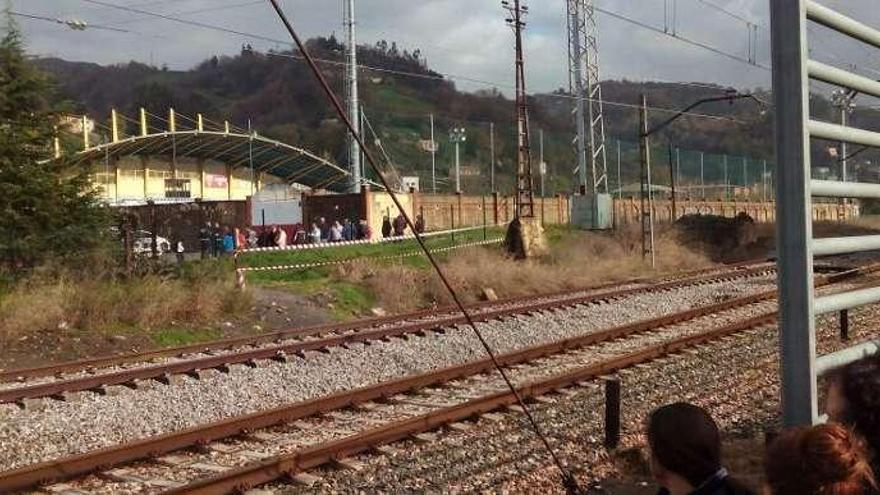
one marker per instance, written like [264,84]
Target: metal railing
[792,71]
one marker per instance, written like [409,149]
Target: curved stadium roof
[289,163]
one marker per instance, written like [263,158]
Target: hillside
[278,94]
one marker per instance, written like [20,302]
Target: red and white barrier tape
[361,242]
[319,264]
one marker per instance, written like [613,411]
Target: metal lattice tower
[351,95]
[583,66]
[525,199]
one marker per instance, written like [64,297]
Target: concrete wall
[627,211]
[442,212]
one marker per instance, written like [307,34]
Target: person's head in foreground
[819,460]
[685,449]
[854,400]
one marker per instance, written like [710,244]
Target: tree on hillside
[47,210]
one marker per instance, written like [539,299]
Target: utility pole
[354,153]
[745,175]
[525,204]
[433,158]
[492,155]
[584,84]
[647,198]
[843,100]
[457,135]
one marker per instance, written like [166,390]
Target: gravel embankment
[54,429]
[735,379]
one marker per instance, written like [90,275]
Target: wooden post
[495,207]
[844,325]
[612,413]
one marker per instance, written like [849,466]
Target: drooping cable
[568,479]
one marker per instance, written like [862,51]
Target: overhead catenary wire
[684,39]
[214,8]
[567,477]
[74,24]
[188,22]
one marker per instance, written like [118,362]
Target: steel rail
[162,371]
[81,464]
[258,473]
[695,276]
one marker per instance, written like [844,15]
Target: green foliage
[175,337]
[46,209]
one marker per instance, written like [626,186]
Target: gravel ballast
[52,429]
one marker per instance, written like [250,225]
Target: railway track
[58,380]
[461,391]
[397,406]
[544,368]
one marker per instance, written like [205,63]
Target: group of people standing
[841,457]
[214,241]
[323,231]
[399,225]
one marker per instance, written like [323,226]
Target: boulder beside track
[719,237]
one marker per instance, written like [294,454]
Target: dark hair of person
[860,384]
[820,460]
[685,440]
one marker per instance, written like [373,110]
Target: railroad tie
[305,479]
[424,437]
[350,464]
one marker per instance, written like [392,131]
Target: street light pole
[457,135]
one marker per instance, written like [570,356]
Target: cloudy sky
[465,38]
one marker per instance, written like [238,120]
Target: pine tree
[47,210]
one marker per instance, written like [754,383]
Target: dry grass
[579,260]
[95,304]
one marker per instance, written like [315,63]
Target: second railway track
[402,406]
[58,380]
[563,361]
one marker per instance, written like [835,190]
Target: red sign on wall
[216,181]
